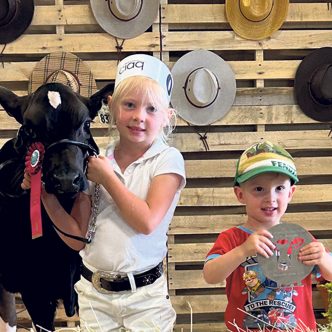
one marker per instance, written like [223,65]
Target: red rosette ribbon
[33,166]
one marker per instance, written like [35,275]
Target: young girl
[122,286]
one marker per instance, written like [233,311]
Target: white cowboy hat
[204,87]
[125,18]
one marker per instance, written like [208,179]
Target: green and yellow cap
[264,157]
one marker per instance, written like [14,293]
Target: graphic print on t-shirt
[267,305]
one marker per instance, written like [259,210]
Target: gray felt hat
[125,18]
[204,87]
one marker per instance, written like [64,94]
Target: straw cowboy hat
[312,85]
[15,17]
[204,87]
[66,68]
[256,19]
[125,19]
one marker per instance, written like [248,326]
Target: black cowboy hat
[312,85]
[15,17]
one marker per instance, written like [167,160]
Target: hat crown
[256,10]
[65,77]
[321,85]
[201,87]
[125,10]
[7,11]
[264,157]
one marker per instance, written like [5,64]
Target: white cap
[145,65]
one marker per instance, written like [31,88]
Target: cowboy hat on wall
[65,68]
[312,85]
[125,18]
[204,87]
[15,18]
[256,19]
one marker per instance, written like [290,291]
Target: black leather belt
[105,282]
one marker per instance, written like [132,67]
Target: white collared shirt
[116,246]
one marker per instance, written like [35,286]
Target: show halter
[33,166]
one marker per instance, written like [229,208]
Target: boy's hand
[259,243]
[26,183]
[312,253]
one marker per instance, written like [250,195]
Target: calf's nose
[69,182]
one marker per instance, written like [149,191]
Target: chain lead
[95,204]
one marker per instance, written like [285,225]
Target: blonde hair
[150,91]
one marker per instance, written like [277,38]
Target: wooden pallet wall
[264,108]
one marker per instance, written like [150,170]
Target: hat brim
[66,61]
[125,29]
[304,72]
[226,95]
[20,22]
[266,169]
[256,30]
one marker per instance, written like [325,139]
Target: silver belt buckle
[96,282]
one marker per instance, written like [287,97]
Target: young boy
[265,183]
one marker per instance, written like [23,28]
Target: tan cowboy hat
[256,19]
[204,87]
[125,18]
[66,68]
[312,85]
[15,17]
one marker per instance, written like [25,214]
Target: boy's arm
[218,269]
[315,253]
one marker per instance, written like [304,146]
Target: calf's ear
[96,100]
[13,104]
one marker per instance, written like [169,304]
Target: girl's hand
[312,253]
[26,183]
[99,168]
[259,243]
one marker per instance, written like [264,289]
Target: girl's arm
[142,215]
[76,223]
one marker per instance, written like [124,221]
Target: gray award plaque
[284,267]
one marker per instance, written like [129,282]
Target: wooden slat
[307,140]
[226,167]
[106,69]
[173,41]
[265,103]
[80,43]
[238,141]
[227,40]
[215,13]
[238,115]
[214,224]
[225,196]
[179,13]
[196,252]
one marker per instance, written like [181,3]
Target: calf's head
[60,119]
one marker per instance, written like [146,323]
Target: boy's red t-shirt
[254,301]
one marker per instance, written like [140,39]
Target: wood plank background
[264,108]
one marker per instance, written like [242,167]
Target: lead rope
[95,205]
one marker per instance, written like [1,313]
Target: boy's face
[266,197]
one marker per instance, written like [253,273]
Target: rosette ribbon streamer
[33,166]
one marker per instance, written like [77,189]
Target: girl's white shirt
[116,246]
